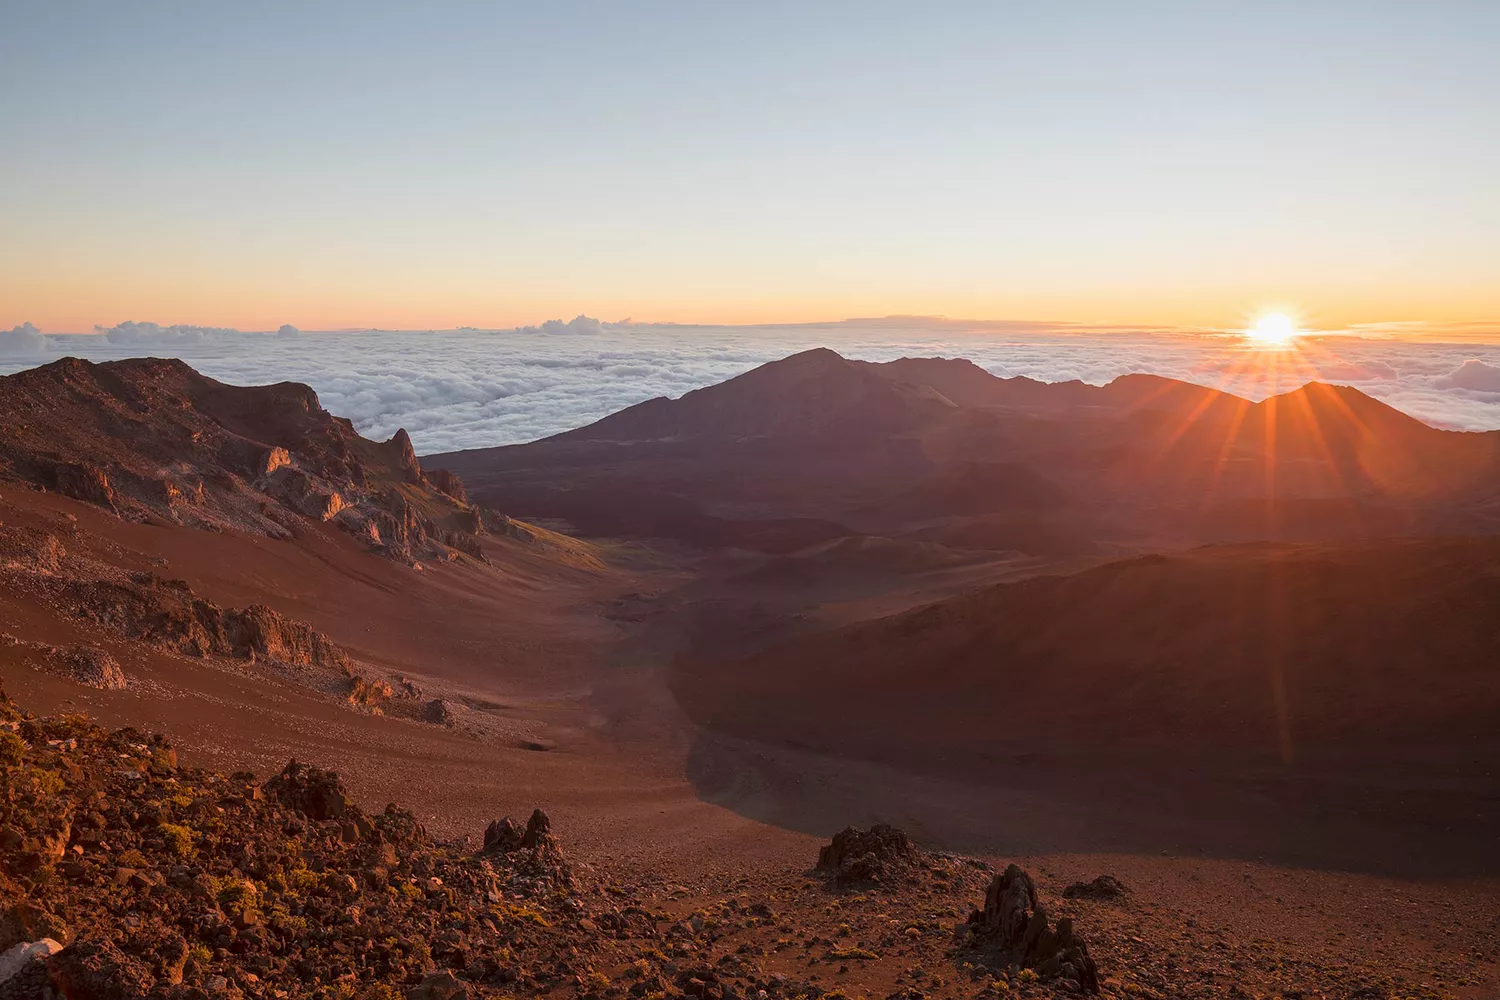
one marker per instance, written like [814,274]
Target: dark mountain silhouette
[900,447]
[815,394]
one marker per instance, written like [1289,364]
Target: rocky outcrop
[88,665]
[533,849]
[150,439]
[311,791]
[275,458]
[93,667]
[1015,922]
[167,614]
[30,550]
[307,496]
[405,456]
[270,634]
[466,543]
[505,834]
[1102,887]
[879,854]
[448,484]
[84,482]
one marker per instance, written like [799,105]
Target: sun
[1273,329]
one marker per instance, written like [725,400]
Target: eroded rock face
[449,484]
[268,633]
[150,438]
[274,458]
[406,456]
[84,482]
[307,496]
[1014,921]
[466,543]
[878,854]
[167,613]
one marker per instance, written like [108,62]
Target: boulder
[94,667]
[15,960]
[312,791]
[1102,887]
[879,854]
[502,835]
[439,986]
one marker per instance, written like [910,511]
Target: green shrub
[12,748]
[179,839]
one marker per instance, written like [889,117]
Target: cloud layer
[474,389]
[22,341]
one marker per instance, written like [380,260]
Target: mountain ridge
[850,443]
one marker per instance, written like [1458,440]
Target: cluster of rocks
[146,607]
[881,854]
[169,615]
[1013,925]
[1015,922]
[123,875]
[151,439]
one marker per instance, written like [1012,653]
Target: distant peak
[823,355]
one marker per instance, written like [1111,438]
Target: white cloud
[131,334]
[578,324]
[472,389]
[22,340]
[1472,374]
[288,330]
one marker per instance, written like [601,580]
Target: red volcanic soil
[1286,752]
[1298,695]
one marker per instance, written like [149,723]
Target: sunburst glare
[1273,330]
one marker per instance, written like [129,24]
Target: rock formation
[167,614]
[150,438]
[1102,887]
[1015,922]
[879,854]
[88,665]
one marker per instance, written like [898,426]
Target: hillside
[1269,650]
[925,445]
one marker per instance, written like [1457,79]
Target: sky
[413,166]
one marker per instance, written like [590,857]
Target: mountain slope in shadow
[924,445]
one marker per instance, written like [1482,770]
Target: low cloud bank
[131,334]
[578,324]
[474,389]
[1472,374]
[22,341]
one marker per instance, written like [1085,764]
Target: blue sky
[337,165]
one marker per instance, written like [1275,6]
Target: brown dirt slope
[1269,649]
